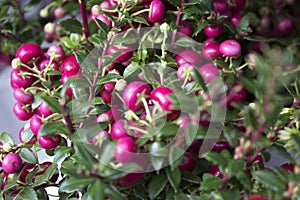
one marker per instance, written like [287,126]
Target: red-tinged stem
[290,192]
[66,116]
[84,21]
[177,23]
[21,13]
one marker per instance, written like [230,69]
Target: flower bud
[16,63]
[157,10]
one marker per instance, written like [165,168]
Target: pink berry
[220,146]
[104,19]
[125,147]
[157,11]
[230,48]
[211,50]
[49,142]
[58,51]
[70,64]
[21,112]
[35,124]
[237,94]
[125,50]
[189,163]
[214,31]
[11,163]
[104,5]
[21,135]
[239,5]
[118,130]
[131,95]
[160,95]
[46,64]
[184,70]
[59,12]
[288,167]
[18,80]
[235,19]
[215,171]
[44,109]
[185,29]
[188,56]
[220,6]
[209,72]
[130,179]
[95,10]
[22,96]
[28,51]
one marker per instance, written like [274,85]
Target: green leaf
[211,183]
[243,24]
[175,3]
[113,193]
[244,179]
[235,166]
[175,153]
[27,134]
[52,103]
[233,194]
[72,25]
[103,26]
[41,179]
[73,184]
[216,158]
[190,177]
[61,153]
[85,156]
[186,42]
[95,191]
[139,19]
[28,156]
[28,193]
[156,185]
[108,78]
[174,177]
[53,127]
[199,79]
[130,69]
[85,61]
[67,84]
[6,138]
[201,24]
[269,180]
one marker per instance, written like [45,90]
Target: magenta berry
[230,48]
[157,11]
[18,80]
[44,109]
[118,130]
[47,142]
[288,167]
[185,29]
[104,5]
[238,5]
[28,51]
[189,163]
[46,64]
[285,26]
[215,171]
[220,146]
[214,30]
[21,137]
[160,95]
[131,95]
[220,6]
[130,179]
[22,96]
[22,112]
[57,51]
[35,124]
[211,50]
[188,56]
[125,50]
[237,94]
[95,10]
[235,19]
[70,64]
[11,163]
[209,72]
[257,197]
[125,147]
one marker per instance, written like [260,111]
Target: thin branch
[177,23]
[84,21]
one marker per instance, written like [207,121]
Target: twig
[21,13]
[84,21]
